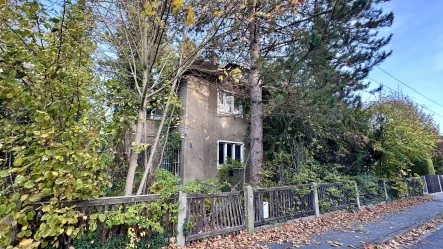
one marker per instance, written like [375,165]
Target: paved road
[432,241]
[389,226]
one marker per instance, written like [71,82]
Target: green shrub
[370,189]
[92,241]
[228,175]
[424,167]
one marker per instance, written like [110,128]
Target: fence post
[357,195]
[386,191]
[249,208]
[315,199]
[439,183]
[182,211]
[425,186]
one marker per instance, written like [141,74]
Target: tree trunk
[133,158]
[256,135]
[149,168]
[146,59]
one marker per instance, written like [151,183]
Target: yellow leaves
[9,95]
[18,162]
[159,22]
[177,5]
[69,230]
[218,13]
[24,197]
[150,8]
[44,135]
[26,243]
[190,17]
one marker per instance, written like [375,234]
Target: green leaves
[101,217]
[50,131]
[4,173]
[407,136]
[20,179]
[60,180]
[29,184]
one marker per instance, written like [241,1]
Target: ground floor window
[227,149]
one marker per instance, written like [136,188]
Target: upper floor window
[228,104]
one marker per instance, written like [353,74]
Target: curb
[404,230]
[438,228]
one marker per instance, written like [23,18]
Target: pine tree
[314,89]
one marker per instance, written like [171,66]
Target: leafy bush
[48,125]
[227,175]
[370,188]
[92,241]
[424,167]
[415,186]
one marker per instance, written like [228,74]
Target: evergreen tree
[314,90]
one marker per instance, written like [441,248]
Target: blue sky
[417,58]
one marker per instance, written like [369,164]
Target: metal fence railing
[283,203]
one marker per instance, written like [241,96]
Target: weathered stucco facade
[203,126]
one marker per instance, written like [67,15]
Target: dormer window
[228,104]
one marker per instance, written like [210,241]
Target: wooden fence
[214,214]
[208,215]
[283,203]
[109,204]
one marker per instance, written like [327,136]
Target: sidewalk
[431,241]
[388,227]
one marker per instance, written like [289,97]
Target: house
[213,127]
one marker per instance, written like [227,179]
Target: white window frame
[228,95]
[225,151]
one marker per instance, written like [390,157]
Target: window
[227,104]
[227,150]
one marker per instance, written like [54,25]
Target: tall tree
[314,89]
[307,36]
[405,134]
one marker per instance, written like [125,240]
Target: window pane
[221,156]
[238,108]
[229,150]
[229,103]
[238,152]
[220,97]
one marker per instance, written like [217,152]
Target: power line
[424,107]
[409,87]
